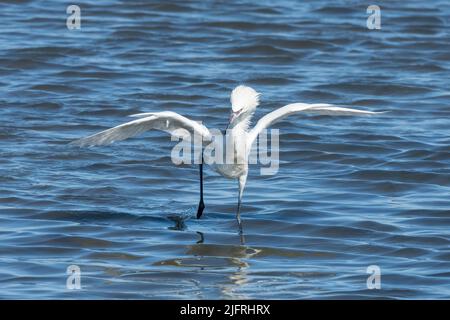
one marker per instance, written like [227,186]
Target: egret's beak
[234,115]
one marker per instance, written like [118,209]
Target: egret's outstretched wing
[167,121]
[319,108]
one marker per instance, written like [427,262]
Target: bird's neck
[242,125]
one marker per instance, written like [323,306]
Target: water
[350,192]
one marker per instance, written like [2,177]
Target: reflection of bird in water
[202,237]
[215,255]
[244,101]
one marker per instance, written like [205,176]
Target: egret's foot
[201,207]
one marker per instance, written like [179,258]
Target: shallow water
[350,192]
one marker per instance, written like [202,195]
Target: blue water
[350,192]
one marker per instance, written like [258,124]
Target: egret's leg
[242,180]
[201,205]
[238,216]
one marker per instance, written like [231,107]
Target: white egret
[244,101]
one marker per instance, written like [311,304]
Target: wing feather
[167,121]
[319,108]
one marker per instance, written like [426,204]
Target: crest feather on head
[244,97]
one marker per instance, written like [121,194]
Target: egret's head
[244,101]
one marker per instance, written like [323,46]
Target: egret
[244,101]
